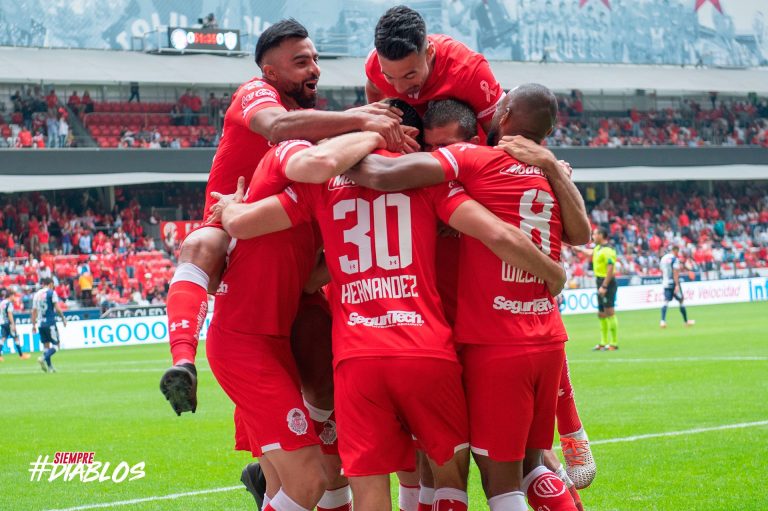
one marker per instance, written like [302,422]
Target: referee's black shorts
[608,301]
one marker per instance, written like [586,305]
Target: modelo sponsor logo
[520,169]
[390,319]
[339,182]
[537,306]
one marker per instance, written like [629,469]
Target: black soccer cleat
[179,386]
[255,482]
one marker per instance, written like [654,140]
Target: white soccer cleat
[690,322]
[663,324]
[579,463]
[43,365]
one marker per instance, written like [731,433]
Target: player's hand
[386,126]
[527,151]
[556,287]
[566,168]
[225,200]
[34,329]
[602,291]
[410,145]
[64,322]
[379,108]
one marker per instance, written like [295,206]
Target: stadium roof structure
[59,169]
[105,67]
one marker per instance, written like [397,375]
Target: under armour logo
[486,89]
[183,324]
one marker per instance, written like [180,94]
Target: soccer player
[603,265]
[8,325]
[510,327]
[670,281]
[249,347]
[417,68]
[45,307]
[388,326]
[447,122]
[263,111]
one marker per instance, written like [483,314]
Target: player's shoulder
[288,147]
[371,63]
[455,54]
[256,89]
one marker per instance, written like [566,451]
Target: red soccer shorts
[383,403]
[259,375]
[512,398]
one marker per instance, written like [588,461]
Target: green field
[660,383]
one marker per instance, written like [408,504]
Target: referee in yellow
[603,264]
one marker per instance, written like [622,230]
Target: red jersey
[264,278]
[240,149]
[457,73]
[508,306]
[380,251]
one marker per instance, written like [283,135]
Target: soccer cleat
[179,386]
[43,365]
[611,347]
[579,463]
[690,322]
[255,482]
[599,347]
[662,324]
[51,369]
[24,356]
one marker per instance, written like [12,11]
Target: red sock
[187,307]
[567,417]
[450,499]
[576,498]
[547,492]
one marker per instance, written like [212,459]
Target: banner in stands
[152,330]
[178,230]
[135,311]
[579,301]
[708,32]
[24,318]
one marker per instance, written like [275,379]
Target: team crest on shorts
[328,435]
[546,489]
[297,421]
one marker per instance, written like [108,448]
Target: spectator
[63,132]
[87,102]
[134,92]
[52,127]
[25,138]
[74,103]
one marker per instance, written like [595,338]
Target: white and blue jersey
[669,263]
[5,306]
[44,302]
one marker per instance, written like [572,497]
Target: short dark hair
[46,281]
[410,116]
[603,231]
[276,34]
[400,32]
[445,111]
[539,106]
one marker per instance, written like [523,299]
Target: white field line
[65,370]
[151,499]
[597,442]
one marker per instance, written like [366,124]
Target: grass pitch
[639,404]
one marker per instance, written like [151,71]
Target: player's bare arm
[34,319]
[576,226]
[60,313]
[509,243]
[372,92]
[332,157]
[395,174]
[278,124]
[249,220]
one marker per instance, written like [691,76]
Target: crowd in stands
[99,258]
[35,121]
[692,124]
[723,231]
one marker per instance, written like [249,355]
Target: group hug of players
[380,309]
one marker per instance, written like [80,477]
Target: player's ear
[430,50]
[268,72]
[474,140]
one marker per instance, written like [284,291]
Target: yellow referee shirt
[602,256]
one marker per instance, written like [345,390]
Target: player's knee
[207,252]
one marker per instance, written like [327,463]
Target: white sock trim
[408,497]
[512,501]
[332,499]
[318,414]
[451,494]
[532,475]
[426,495]
[282,502]
[581,434]
[188,272]
[266,501]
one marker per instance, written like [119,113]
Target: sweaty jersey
[43,301]
[602,256]
[261,286]
[240,149]
[380,252]
[457,73]
[5,306]
[498,303]
[669,263]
